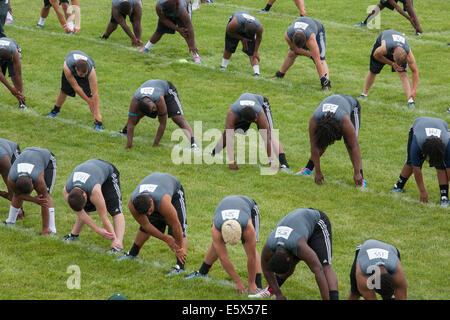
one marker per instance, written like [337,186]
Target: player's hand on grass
[318,178]
[240,288]
[233,166]
[423,197]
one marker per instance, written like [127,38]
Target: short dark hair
[82,66]
[434,150]
[24,184]
[76,199]
[387,286]
[124,8]
[327,131]
[144,106]
[248,113]
[279,263]
[142,203]
[299,39]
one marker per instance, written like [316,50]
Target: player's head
[77,199]
[24,184]
[400,56]
[147,107]
[231,232]
[143,203]
[82,68]
[387,286]
[250,29]
[434,150]
[299,39]
[279,263]
[248,114]
[124,8]
[327,131]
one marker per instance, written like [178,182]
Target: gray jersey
[73,56]
[152,89]
[339,105]
[305,24]
[7,49]
[174,14]
[298,224]
[8,148]
[157,185]
[243,18]
[234,208]
[393,40]
[88,174]
[377,253]
[31,162]
[426,127]
[255,101]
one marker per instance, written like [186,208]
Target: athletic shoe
[144,50]
[444,202]
[102,37]
[197,60]
[119,134]
[448,110]
[114,251]
[9,21]
[23,107]
[209,1]
[411,104]
[9,224]
[194,147]
[305,172]
[263,11]
[362,96]
[195,274]
[418,33]
[397,189]
[223,68]
[52,114]
[40,26]
[364,183]
[285,168]
[175,270]
[126,256]
[361,24]
[70,237]
[98,126]
[261,293]
[256,75]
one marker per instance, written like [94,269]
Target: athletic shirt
[157,185]
[377,253]
[243,18]
[7,49]
[71,60]
[393,40]
[174,14]
[31,162]
[152,89]
[339,105]
[88,174]
[298,224]
[306,24]
[425,128]
[237,208]
[133,3]
[7,147]
[247,100]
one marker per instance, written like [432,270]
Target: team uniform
[8,48]
[258,103]
[422,129]
[242,18]
[239,208]
[10,149]
[340,105]
[157,185]
[71,61]
[311,224]
[116,3]
[32,162]
[309,26]
[4,7]
[173,16]
[95,171]
[370,254]
[393,40]
[47,3]
[153,89]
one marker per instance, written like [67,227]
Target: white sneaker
[261,293]
[195,6]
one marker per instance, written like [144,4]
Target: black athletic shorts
[67,89]
[243,126]
[47,3]
[386,4]
[111,193]
[9,65]
[160,223]
[375,65]
[255,221]
[173,103]
[50,173]
[355,118]
[321,240]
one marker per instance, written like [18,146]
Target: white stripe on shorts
[326,236]
[183,211]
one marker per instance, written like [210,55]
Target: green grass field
[35,267]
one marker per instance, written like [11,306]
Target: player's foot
[418,33]
[40,26]
[126,256]
[9,224]
[444,202]
[261,293]
[98,126]
[411,104]
[103,37]
[364,183]
[175,270]
[114,251]
[197,60]
[256,75]
[397,189]
[194,147]
[362,96]
[22,106]
[70,237]
[361,24]
[223,68]
[195,274]
[9,20]
[144,50]
[285,168]
[448,110]
[263,11]
[305,172]
[53,113]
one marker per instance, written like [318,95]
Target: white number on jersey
[147,188]
[147,90]
[77,57]
[301,25]
[329,107]
[283,232]
[248,17]
[377,253]
[25,168]
[433,132]
[80,176]
[398,38]
[4,43]
[230,214]
[247,103]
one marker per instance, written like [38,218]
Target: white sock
[13,213]
[256,68]
[225,62]
[42,21]
[149,45]
[51,222]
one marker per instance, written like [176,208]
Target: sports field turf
[36,267]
